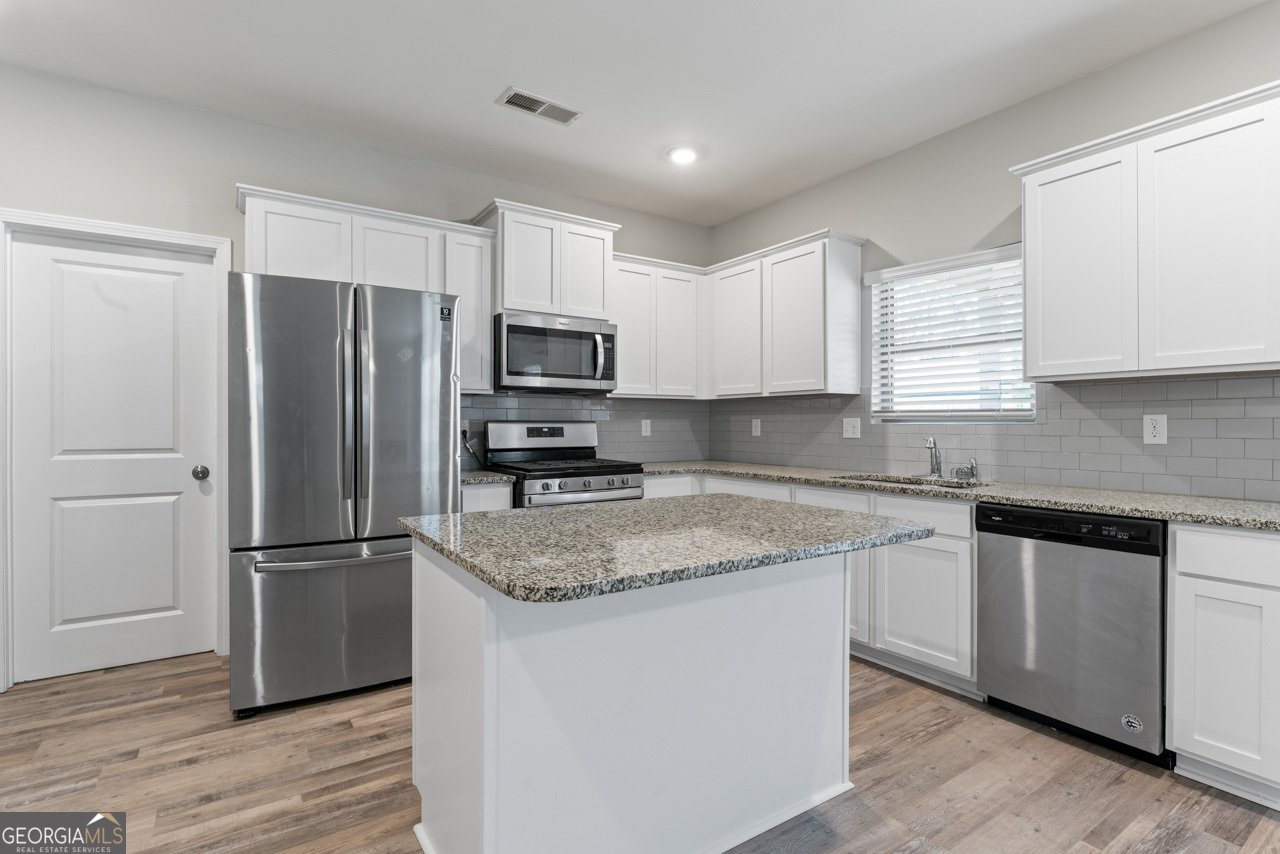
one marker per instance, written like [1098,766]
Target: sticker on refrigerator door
[446,314]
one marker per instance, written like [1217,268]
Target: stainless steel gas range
[556,463]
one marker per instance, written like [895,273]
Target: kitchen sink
[912,480]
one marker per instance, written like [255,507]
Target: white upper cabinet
[787,323]
[550,262]
[291,235]
[1081,266]
[287,239]
[1208,232]
[630,304]
[739,330]
[586,255]
[656,312]
[468,265]
[794,286]
[676,332]
[397,254]
[1153,252]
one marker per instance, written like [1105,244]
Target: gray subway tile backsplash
[1224,434]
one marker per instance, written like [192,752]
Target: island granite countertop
[557,554]
[1227,512]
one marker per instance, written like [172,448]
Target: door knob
[200,472]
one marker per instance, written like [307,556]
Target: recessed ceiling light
[683,155]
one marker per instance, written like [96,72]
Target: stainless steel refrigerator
[343,417]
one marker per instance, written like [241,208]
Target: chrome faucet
[935,457]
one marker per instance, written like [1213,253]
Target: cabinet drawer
[1249,557]
[753,488]
[486,496]
[950,518]
[838,499]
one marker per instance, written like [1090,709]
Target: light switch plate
[755,426]
[646,428]
[1155,429]
[853,428]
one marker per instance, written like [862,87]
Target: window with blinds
[946,340]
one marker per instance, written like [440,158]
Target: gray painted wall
[953,194]
[78,150]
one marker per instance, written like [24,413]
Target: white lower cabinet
[924,602]
[859,563]
[1224,645]
[486,496]
[666,486]
[753,488]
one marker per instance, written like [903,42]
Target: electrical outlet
[466,426]
[853,428]
[755,426]
[646,428]
[1155,429]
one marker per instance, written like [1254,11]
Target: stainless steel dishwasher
[1071,623]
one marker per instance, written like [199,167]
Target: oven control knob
[586,484]
[546,486]
[564,484]
[626,481]
[613,481]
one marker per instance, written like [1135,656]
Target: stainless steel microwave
[536,352]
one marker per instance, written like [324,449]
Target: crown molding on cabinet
[245,191]
[1008,252]
[1268,92]
[624,258]
[491,210]
[824,234]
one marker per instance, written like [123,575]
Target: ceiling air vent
[527,103]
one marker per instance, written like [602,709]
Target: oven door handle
[583,497]
[599,355]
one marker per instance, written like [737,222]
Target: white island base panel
[685,717]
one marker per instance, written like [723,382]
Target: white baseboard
[422,839]
[955,684]
[776,819]
[1242,785]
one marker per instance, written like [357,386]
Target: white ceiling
[781,95]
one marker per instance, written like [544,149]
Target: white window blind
[947,340]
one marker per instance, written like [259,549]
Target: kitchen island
[636,676]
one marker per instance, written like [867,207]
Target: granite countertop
[1228,512]
[557,554]
[474,477]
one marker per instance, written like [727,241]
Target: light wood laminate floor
[933,773]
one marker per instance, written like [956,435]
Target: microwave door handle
[599,355]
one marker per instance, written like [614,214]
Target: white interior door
[114,398]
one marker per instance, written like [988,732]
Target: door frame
[218,250]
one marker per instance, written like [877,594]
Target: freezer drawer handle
[268,566]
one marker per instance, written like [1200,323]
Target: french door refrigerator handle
[272,566]
[599,355]
[348,412]
[366,405]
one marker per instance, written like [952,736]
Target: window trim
[982,258]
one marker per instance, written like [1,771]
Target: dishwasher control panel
[1083,528]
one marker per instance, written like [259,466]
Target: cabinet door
[468,274]
[794,306]
[738,337]
[676,333]
[858,563]
[587,254]
[1081,266]
[284,239]
[924,602]
[1208,262]
[631,309]
[396,254]
[530,263]
[1225,697]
